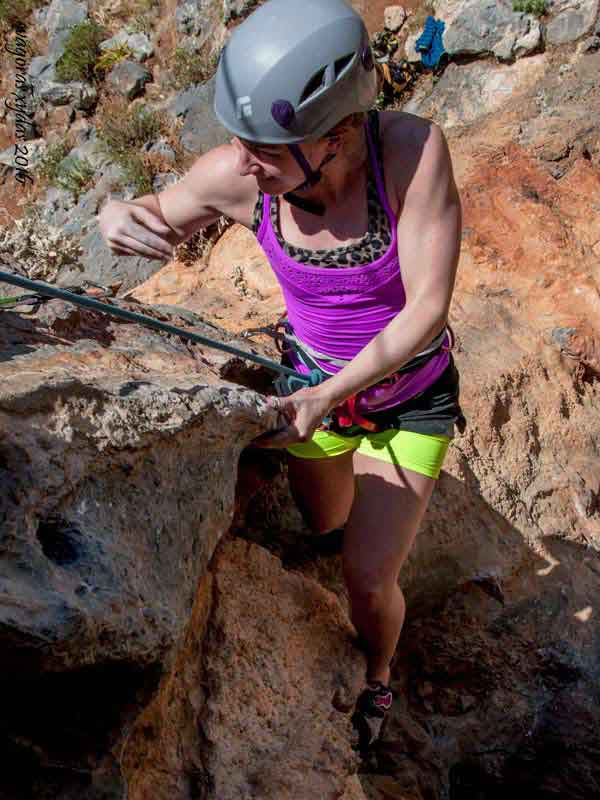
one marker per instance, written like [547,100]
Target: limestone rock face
[235,285]
[473,27]
[268,658]
[467,92]
[111,434]
[573,19]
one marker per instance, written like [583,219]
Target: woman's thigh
[389,505]
[323,489]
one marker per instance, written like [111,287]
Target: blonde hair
[349,123]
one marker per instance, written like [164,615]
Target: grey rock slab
[98,263]
[138,43]
[64,14]
[477,27]
[574,19]
[468,92]
[128,78]
[201,130]
[119,491]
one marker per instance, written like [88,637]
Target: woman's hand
[131,229]
[303,411]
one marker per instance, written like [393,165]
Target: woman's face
[273,165]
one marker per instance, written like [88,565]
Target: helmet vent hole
[342,63]
[313,86]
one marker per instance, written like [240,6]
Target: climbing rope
[35,300]
[294,378]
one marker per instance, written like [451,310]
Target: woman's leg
[389,506]
[321,479]
[323,489]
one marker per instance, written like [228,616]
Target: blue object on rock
[429,43]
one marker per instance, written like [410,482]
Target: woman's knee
[369,588]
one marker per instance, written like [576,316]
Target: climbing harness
[314,378]
[344,415]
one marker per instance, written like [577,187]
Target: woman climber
[360,218]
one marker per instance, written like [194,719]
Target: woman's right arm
[153,224]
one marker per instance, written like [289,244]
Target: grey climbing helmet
[293,69]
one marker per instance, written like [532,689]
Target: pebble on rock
[394,18]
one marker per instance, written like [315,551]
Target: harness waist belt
[341,362]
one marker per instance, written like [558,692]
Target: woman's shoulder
[400,126]
[403,138]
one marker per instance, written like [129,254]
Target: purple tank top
[339,311]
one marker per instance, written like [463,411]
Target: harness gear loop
[347,415]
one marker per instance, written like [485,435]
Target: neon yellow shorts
[420,452]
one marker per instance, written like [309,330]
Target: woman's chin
[271,185]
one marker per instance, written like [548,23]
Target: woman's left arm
[429,235]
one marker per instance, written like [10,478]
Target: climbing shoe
[370,711]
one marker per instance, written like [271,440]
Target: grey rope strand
[52,291]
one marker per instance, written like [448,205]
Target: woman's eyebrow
[258,146]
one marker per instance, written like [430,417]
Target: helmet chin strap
[312,178]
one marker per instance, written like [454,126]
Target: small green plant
[535,7]
[75,174]
[64,171]
[82,51]
[137,172]
[14,11]
[190,68]
[142,17]
[111,57]
[48,165]
[122,132]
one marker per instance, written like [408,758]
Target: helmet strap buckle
[312,178]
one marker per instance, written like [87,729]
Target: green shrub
[48,165]
[142,16]
[82,51]
[111,57]
[122,132]
[122,129]
[535,7]
[14,11]
[189,68]
[75,175]
[64,171]
[136,171]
